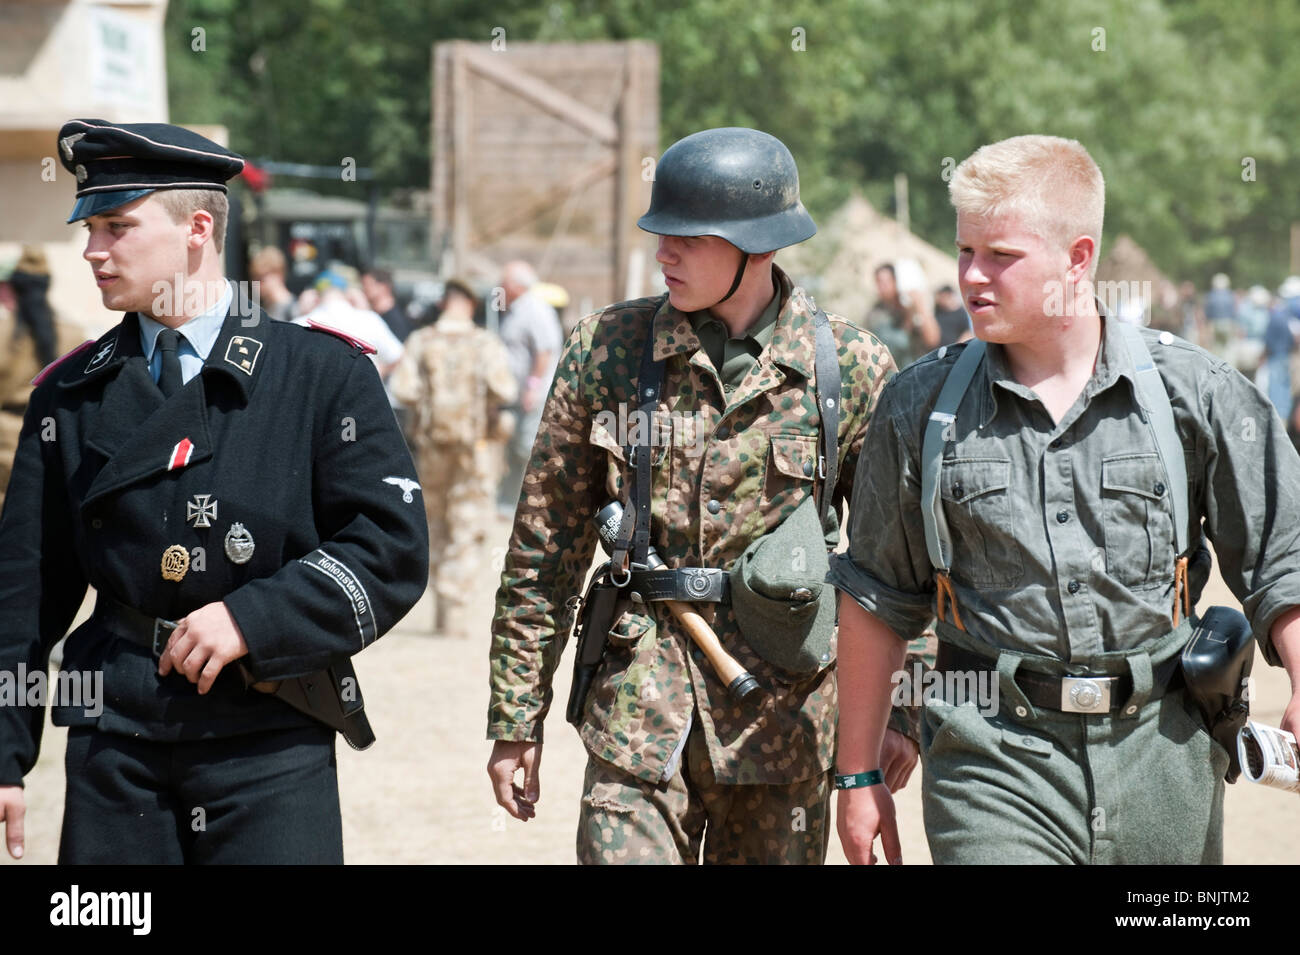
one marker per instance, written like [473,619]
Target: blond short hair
[183,203]
[1052,183]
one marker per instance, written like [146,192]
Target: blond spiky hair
[1051,182]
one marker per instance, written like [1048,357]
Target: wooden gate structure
[545,152]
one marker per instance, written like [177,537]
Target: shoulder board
[45,372]
[365,346]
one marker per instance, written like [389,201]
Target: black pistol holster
[332,697]
[593,616]
[1216,669]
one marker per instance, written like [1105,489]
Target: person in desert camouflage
[456,378]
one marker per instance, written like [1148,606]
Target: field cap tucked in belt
[781,601]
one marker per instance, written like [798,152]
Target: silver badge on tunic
[239,543]
[202,510]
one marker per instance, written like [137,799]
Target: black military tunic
[280,472]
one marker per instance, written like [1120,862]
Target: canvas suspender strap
[827,390]
[634,533]
[938,544]
[1160,419]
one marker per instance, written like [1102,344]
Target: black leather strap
[130,624]
[1045,691]
[828,405]
[687,584]
[649,383]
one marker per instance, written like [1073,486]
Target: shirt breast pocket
[1137,521]
[976,495]
[609,446]
[791,470]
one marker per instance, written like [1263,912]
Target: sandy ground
[421,793]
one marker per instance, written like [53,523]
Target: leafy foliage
[1178,100]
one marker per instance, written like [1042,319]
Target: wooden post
[461,108]
[624,183]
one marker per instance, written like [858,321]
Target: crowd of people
[469,400]
[446,365]
[1064,543]
[1255,330]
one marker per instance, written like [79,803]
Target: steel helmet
[736,183]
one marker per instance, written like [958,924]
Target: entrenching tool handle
[741,684]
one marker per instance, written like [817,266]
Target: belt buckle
[1086,694]
[163,625]
[698,584]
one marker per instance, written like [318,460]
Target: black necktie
[169,375]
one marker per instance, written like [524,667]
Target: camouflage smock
[728,471]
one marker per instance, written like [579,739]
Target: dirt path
[421,795]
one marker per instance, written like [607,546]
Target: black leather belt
[151,633]
[688,584]
[316,695]
[1070,694]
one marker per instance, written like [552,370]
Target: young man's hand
[898,756]
[13,810]
[507,758]
[202,644]
[862,815]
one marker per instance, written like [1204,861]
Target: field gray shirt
[1063,533]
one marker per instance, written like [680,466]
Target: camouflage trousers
[458,483]
[625,820]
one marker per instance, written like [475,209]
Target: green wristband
[859,779]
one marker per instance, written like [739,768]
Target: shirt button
[1073,587]
[97,523]
[722,433]
[807,469]
[1062,517]
[958,490]
[714,506]
[1159,488]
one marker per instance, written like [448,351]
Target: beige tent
[1126,261]
[837,265]
[1130,284]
